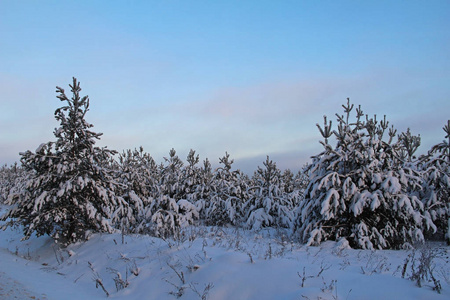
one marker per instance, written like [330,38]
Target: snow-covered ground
[213,263]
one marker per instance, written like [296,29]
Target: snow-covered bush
[69,192]
[436,173]
[361,190]
[268,202]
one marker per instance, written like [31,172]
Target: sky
[251,78]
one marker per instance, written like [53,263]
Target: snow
[233,263]
[391,184]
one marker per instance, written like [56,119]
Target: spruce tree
[69,192]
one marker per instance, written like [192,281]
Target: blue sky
[248,77]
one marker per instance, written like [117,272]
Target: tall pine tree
[70,191]
[362,189]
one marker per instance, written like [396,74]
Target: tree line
[368,188]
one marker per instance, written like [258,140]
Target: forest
[367,187]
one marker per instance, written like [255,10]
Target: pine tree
[436,195]
[288,181]
[269,204]
[138,177]
[294,186]
[204,189]
[301,181]
[362,190]
[171,177]
[70,192]
[191,178]
[171,212]
[408,145]
[227,196]
[12,182]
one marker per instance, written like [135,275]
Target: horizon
[251,79]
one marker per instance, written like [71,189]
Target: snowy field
[212,263]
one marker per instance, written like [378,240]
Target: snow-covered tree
[358,190]
[191,178]
[287,181]
[12,182]
[70,192]
[294,186]
[138,176]
[408,145]
[172,176]
[170,211]
[5,183]
[301,180]
[139,171]
[203,189]
[227,196]
[436,172]
[268,202]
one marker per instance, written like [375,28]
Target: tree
[171,211]
[70,192]
[436,173]
[203,189]
[12,182]
[362,190]
[191,178]
[408,145]
[138,176]
[268,204]
[227,196]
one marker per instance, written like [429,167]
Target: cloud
[293,160]
[275,117]
[271,100]
[247,122]
[253,121]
